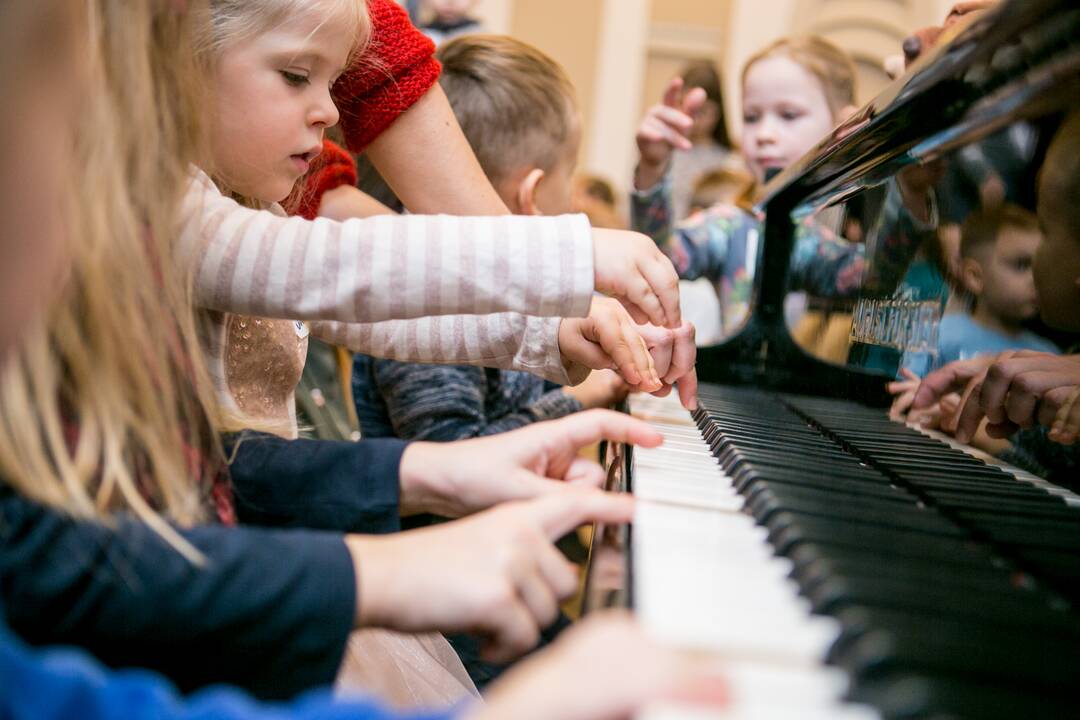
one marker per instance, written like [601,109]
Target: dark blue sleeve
[319,484]
[270,610]
[59,684]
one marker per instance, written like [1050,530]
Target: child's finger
[673,92]
[654,129]
[642,356]
[641,294]
[688,385]
[1066,427]
[971,412]
[910,375]
[663,283]
[673,118]
[618,349]
[693,100]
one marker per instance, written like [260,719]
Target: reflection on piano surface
[840,564]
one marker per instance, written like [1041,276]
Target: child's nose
[324,112]
[766,131]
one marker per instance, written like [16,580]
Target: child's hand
[904,392]
[663,129]
[649,358]
[604,668]
[540,459]
[674,354]
[603,388]
[630,268]
[496,574]
[608,339]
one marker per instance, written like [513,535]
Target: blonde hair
[833,67]
[515,104]
[105,404]
[228,22]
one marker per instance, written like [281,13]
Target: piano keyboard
[844,566]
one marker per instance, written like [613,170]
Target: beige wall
[621,53]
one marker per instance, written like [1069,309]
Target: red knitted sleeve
[333,168]
[395,71]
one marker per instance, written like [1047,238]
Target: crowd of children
[176,228]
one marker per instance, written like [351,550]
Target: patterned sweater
[414,288]
[722,244]
[442,403]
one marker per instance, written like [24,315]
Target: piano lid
[859,258]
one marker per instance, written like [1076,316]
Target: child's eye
[750,117]
[790,115]
[294,79]
[1021,264]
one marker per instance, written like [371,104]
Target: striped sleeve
[382,268]
[507,341]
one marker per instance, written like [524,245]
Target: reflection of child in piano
[996,250]
[1039,392]
[518,111]
[794,92]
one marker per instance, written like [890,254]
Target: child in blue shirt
[997,247]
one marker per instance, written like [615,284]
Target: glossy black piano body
[1022,61]
[957,586]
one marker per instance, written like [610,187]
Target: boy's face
[1008,284]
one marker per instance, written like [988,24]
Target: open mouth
[303,160]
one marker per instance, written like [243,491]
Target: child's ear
[526,194]
[972,275]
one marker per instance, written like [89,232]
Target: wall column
[620,67]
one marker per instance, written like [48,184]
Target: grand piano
[837,563]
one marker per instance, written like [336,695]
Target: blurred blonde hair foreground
[107,405]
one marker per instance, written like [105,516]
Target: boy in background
[518,111]
[997,249]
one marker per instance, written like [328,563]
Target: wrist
[648,174]
[418,477]
[373,583]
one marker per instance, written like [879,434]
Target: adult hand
[630,268]
[665,128]
[604,668]
[1018,390]
[496,574]
[458,478]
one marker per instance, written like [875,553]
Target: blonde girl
[50,683]
[106,410]
[107,404]
[794,92]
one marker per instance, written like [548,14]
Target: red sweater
[395,71]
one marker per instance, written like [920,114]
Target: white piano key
[705,577]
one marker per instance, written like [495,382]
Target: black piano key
[908,696]
[1034,662]
[868,566]
[924,522]
[831,596]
